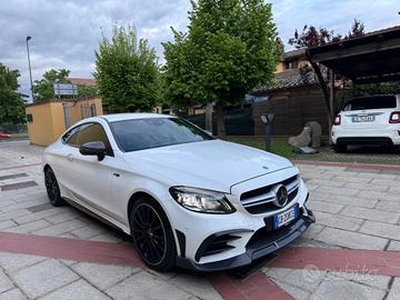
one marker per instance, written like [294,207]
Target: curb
[381,167]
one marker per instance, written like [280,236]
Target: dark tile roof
[290,78]
[295,54]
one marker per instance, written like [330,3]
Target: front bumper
[264,244]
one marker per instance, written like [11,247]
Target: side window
[87,133]
[71,137]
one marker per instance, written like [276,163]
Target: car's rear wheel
[52,188]
[340,148]
[152,235]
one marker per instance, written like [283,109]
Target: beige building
[48,119]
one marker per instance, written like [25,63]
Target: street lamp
[29,64]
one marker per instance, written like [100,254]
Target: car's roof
[131,116]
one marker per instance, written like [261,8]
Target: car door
[85,177]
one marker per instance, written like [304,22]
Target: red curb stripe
[64,248]
[20,166]
[255,287]
[371,262]
[381,167]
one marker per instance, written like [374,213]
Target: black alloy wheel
[152,235]
[52,188]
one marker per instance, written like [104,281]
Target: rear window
[374,102]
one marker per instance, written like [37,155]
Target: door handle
[70,157]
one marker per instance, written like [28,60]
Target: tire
[340,148]
[152,235]
[52,188]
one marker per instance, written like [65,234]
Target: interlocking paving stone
[196,285]
[146,286]
[29,227]
[372,214]
[337,190]
[366,187]
[394,246]
[353,240]
[338,221]
[61,228]
[306,279]
[388,205]
[7,224]
[78,290]
[337,289]
[5,282]
[296,292]
[39,215]
[378,196]
[44,277]
[13,176]
[13,214]
[12,262]
[18,186]
[352,201]
[40,207]
[103,276]
[325,206]
[381,229]
[14,294]
[394,293]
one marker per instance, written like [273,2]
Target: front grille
[260,200]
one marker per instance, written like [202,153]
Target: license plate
[363,119]
[285,217]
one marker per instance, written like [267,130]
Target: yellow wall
[280,67]
[81,109]
[41,129]
[48,118]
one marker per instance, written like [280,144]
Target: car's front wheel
[52,188]
[152,235]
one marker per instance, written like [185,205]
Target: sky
[66,33]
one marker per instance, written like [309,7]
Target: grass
[278,145]
[20,136]
[370,155]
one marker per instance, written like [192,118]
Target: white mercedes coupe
[186,198]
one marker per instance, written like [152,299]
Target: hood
[215,164]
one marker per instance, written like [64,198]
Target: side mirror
[94,148]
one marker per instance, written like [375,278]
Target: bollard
[267,120]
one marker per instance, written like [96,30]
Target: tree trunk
[209,118]
[220,120]
[323,86]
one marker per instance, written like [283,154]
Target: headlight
[201,200]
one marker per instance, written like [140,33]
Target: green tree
[43,89]
[87,91]
[127,73]
[12,106]
[229,49]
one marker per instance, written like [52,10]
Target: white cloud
[65,33]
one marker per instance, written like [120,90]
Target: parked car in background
[5,135]
[186,198]
[366,121]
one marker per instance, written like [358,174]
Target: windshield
[375,102]
[140,134]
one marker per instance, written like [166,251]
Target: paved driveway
[352,252]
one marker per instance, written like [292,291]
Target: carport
[371,58]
